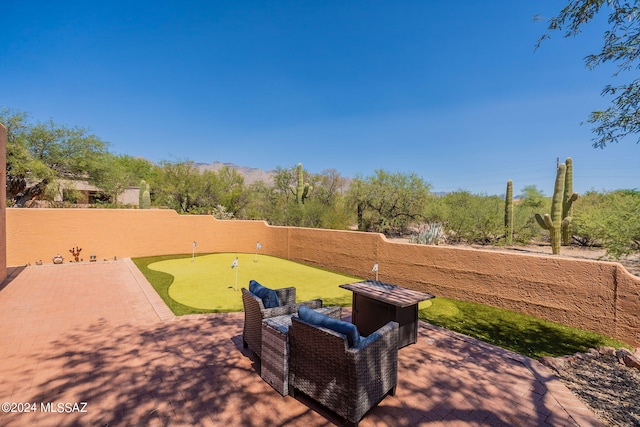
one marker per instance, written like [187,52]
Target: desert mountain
[250,175]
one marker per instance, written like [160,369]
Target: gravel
[610,389]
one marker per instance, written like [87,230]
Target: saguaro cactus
[569,196]
[303,189]
[508,213]
[145,195]
[553,222]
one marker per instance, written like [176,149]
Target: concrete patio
[98,333]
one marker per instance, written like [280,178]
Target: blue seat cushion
[268,296]
[318,319]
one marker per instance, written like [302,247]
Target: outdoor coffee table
[275,348]
[374,304]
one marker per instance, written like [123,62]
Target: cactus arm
[541,221]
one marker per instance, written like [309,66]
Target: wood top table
[375,303]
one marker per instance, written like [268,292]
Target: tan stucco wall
[595,295]
[3,203]
[40,234]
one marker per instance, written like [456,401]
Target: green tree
[40,155]
[472,218]
[611,220]
[178,185]
[587,223]
[229,190]
[279,205]
[115,173]
[389,203]
[622,47]
[532,197]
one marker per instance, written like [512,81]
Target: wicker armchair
[348,381]
[254,312]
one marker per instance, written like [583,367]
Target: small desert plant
[428,234]
[220,212]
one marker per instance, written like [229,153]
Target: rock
[627,358]
[592,353]
[607,351]
[555,363]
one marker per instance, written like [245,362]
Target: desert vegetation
[44,159]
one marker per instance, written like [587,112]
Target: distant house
[83,193]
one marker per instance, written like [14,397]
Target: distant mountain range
[250,175]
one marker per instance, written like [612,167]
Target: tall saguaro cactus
[302,190]
[144,199]
[569,196]
[553,222]
[508,213]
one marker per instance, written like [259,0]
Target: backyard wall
[3,204]
[594,295]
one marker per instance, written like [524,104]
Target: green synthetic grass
[208,284]
[527,335]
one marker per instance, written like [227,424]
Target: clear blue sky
[452,91]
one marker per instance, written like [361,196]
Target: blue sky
[452,91]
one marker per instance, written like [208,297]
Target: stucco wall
[40,234]
[595,295]
[3,204]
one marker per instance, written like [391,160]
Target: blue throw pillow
[268,296]
[318,319]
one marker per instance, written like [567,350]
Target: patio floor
[98,333]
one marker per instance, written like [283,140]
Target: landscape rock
[627,358]
[607,351]
[555,363]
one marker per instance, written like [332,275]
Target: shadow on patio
[194,371]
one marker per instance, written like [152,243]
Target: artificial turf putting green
[208,283]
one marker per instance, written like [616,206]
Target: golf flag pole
[258,247]
[235,265]
[375,269]
[193,251]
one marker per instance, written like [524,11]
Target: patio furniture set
[305,347]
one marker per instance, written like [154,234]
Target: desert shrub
[472,218]
[611,220]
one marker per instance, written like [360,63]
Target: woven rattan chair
[254,312]
[348,381]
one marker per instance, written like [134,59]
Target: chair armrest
[314,303]
[386,336]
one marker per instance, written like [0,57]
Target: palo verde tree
[610,220]
[387,202]
[115,173]
[621,46]
[42,155]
